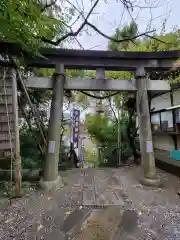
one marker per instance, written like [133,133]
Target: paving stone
[109,198]
[73,223]
[89,187]
[88,180]
[54,234]
[89,198]
[149,214]
[101,224]
[129,220]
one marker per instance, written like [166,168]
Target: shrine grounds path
[97,204]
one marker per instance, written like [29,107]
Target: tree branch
[86,22]
[159,40]
[135,132]
[63,129]
[74,34]
[70,27]
[71,34]
[110,105]
[46,6]
[114,39]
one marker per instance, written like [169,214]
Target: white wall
[164,101]
[165,142]
[161,102]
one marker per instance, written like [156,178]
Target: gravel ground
[158,208]
[41,216]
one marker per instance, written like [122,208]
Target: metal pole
[99,145]
[119,139]
[146,146]
[99,111]
[17,162]
[54,130]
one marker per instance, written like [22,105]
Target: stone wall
[6,115]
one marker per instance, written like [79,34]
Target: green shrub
[105,132]
[91,157]
[30,154]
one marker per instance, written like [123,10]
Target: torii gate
[138,62]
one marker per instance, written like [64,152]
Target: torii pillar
[51,179]
[150,176]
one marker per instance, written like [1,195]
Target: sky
[108,16]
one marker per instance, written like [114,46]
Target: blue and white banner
[75,127]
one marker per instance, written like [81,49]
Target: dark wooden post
[17,156]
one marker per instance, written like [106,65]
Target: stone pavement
[100,191]
[97,204]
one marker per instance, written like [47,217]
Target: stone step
[4,126]
[5,154]
[5,145]
[129,225]
[73,222]
[4,136]
[6,99]
[102,224]
[4,117]
[4,110]
[6,114]
[8,91]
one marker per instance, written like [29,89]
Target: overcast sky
[110,15]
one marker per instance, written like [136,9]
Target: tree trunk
[132,139]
